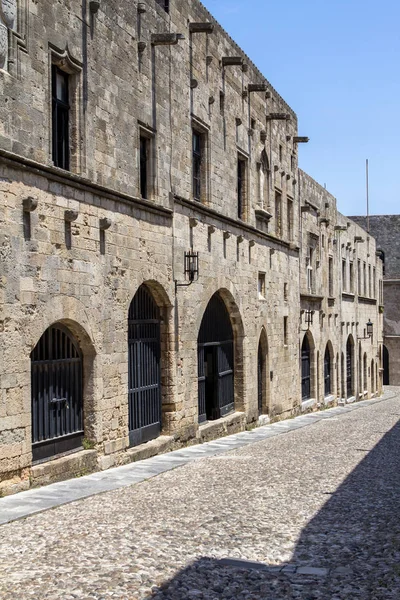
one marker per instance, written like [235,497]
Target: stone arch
[307,367]
[160,352]
[224,299]
[62,390]
[72,314]
[263,383]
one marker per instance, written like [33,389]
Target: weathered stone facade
[77,244]
[386,230]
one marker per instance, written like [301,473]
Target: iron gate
[327,372]
[215,362]
[144,377]
[56,393]
[305,370]
[260,369]
[349,368]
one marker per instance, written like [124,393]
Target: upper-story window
[164,4]
[278,214]
[241,186]
[344,279]
[60,117]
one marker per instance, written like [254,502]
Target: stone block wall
[75,246]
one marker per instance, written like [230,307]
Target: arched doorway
[349,367]
[305,369]
[215,362]
[262,374]
[327,372]
[144,373]
[365,371]
[56,393]
[386,378]
[372,377]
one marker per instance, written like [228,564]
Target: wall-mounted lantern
[191,269]
[370,331]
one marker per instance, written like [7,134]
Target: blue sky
[337,64]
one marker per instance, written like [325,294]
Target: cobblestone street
[318,505]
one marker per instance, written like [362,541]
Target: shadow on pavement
[353,542]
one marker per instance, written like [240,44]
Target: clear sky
[337,64]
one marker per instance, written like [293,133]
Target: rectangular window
[164,4]
[369,281]
[261,285]
[285,330]
[60,117]
[285,291]
[365,279]
[359,277]
[310,272]
[330,276]
[290,219]
[280,153]
[144,159]
[351,278]
[292,163]
[241,186]
[374,272]
[197,165]
[344,282]
[278,214]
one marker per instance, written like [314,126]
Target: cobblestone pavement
[316,511]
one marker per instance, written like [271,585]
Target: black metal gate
[327,372]
[260,371]
[305,370]
[56,392]
[349,368]
[215,362]
[144,378]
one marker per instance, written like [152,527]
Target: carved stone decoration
[3,45]
[8,11]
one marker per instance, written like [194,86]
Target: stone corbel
[70,215]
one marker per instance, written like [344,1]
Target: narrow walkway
[38,500]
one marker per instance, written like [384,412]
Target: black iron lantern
[192,266]
[370,328]
[191,269]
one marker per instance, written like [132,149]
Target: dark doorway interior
[349,368]
[386,377]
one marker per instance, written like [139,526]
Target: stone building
[168,274]
[386,230]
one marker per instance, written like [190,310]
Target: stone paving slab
[306,515]
[37,500]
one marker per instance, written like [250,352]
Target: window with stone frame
[242,186]
[146,162]
[359,277]
[351,276]
[290,219]
[67,137]
[199,164]
[330,277]
[60,117]
[344,275]
[278,214]
[164,4]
